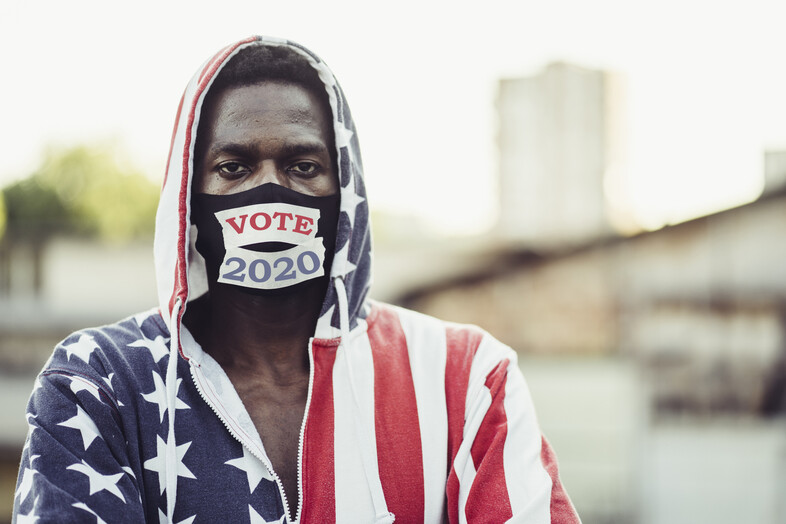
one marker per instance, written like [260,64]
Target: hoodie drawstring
[171,401]
[370,465]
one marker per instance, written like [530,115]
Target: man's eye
[304,168]
[233,169]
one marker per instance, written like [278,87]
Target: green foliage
[81,190]
[33,210]
[3,215]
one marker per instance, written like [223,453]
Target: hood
[180,269]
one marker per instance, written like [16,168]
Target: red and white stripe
[445,415]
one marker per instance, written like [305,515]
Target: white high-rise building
[559,135]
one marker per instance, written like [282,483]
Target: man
[266,387]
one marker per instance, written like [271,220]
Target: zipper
[265,461]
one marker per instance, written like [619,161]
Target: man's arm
[75,464]
[504,469]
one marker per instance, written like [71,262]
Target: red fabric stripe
[181,278]
[562,511]
[462,344]
[399,451]
[319,482]
[489,492]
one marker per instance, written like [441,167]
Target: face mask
[267,239]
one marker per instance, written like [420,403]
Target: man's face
[267,132]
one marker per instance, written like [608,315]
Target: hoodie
[407,418]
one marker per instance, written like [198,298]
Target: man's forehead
[237,117]
[267,96]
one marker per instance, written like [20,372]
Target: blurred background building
[656,358]
[559,133]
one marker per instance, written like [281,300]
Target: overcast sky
[705,81]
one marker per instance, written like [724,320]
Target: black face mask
[266,240]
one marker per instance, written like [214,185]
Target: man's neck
[259,334]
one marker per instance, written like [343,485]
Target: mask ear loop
[369,459]
[171,401]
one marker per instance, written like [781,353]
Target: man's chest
[279,428]
[278,422]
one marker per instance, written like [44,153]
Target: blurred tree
[81,190]
[33,210]
[2,215]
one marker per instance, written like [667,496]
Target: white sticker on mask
[278,222]
[273,222]
[243,267]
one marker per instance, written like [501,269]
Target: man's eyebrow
[303,148]
[231,148]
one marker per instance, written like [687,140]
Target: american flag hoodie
[408,418]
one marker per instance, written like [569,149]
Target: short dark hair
[269,63]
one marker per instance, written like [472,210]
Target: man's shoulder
[424,332]
[127,343]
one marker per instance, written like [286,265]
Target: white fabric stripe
[167,217]
[465,467]
[528,482]
[426,336]
[490,352]
[353,498]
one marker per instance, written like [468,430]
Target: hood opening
[180,269]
